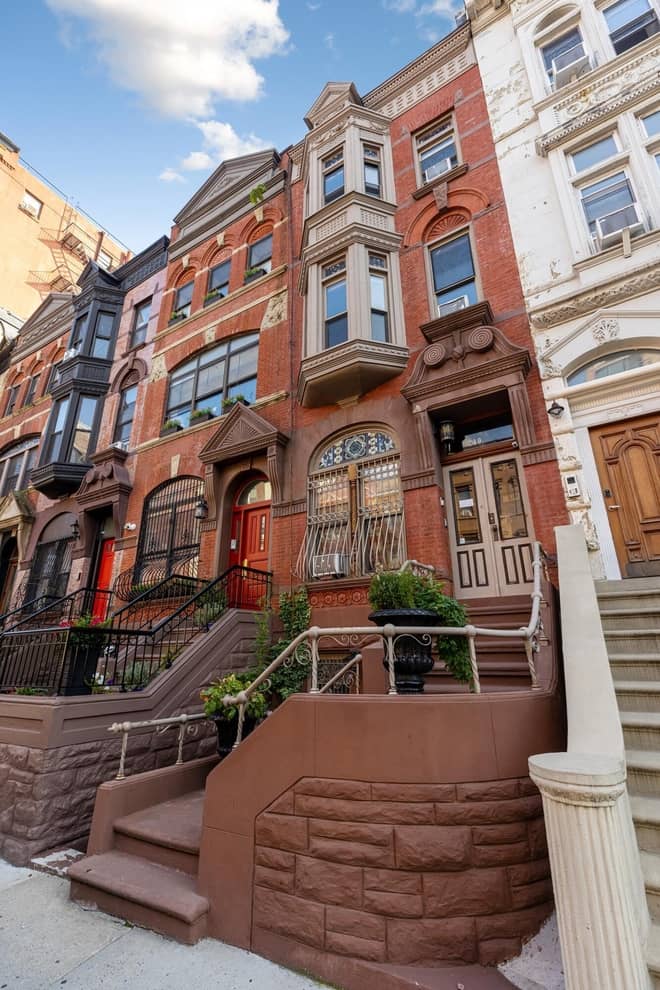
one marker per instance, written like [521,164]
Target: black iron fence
[80,656]
[81,604]
[16,615]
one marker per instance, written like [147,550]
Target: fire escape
[71,247]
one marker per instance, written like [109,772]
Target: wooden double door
[628,460]
[489,527]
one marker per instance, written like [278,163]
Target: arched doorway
[170,531]
[51,563]
[8,565]
[250,525]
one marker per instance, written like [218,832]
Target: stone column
[602,923]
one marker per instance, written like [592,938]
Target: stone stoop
[150,876]
[630,615]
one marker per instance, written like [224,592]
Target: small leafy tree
[295,614]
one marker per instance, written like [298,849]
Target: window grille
[170,531]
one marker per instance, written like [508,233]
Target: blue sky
[128,105]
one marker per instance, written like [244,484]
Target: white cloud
[314,6]
[220,142]
[170,175]
[400,6]
[182,57]
[329,41]
[434,8]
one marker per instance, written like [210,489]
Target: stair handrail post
[314,643]
[389,632]
[472,647]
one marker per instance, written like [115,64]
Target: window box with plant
[251,274]
[170,426]
[177,315]
[201,415]
[401,598]
[226,716]
[231,400]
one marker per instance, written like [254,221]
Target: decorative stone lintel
[478,315]
[599,892]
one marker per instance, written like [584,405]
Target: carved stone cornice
[606,93]
[600,296]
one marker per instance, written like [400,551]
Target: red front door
[103,579]
[250,539]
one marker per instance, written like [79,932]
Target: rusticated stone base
[47,795]
[409,874]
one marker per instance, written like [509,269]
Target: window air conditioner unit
[439,169]
[71,353]
[610,228]
[570,65]
[453,306]
[329,565]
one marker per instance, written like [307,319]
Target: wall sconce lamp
[555,409]
[201,509]
[75,529]
[130,526]
[447,433]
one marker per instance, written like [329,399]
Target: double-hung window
[560,53]
[594,153]
[77,333]
[81,438]
[53,445]
[16,464]
[226,371]
[102,338]
[12,395]
[610,201]
[183,301]
[53,377]
[651,123]
[33,384]
[379,300]
[372,174]
[261,255]
[335,303]
[630,22]
[125,414]
[218,284]
[436,150]
[333,176]
[140,323]
[454,281]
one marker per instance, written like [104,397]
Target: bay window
[333,176]
[335,303]
[372,180]
[379,301]
[15,465]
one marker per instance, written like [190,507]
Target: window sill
[210,307]
[616,251]
[477,315]
[453,173]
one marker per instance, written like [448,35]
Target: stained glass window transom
[355,447]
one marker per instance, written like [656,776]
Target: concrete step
[641,598]
[653,955]
[646,816]
[631,641]
[641,730]
[630,586]
[144,893]
[643,772]
[638,696]
[633,618]
[168,833]
[640,667]
[651,873]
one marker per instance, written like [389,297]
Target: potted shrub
[213,294]
[201,415]
[253,273]
[226,717]
[403,599]
[87,636]
[177,314]
[232,400]
[171,426]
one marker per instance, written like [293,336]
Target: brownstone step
[144,893]
[168,833]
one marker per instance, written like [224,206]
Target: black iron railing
[80,657]
[67,609]
[16,615]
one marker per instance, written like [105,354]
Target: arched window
[51,563]
[16,462]
[169,534]
[226,371]
[126,411]
[612,364]
[355,518]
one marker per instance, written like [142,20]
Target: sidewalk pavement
[46,941]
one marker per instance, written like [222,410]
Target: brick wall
[404,873]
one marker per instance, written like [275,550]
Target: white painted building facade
[573,92]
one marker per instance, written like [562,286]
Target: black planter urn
[413,655]
[227,730]
[82,662]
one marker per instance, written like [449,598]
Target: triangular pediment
[14,508]
[229,174]
[243,431]
[49,319]
[334,97]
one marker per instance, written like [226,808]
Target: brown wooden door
[628,461]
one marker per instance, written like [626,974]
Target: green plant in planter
[232,684]
[294,613]
[253,273]
[201,413]
[231,400]
[172,424]
[392,589]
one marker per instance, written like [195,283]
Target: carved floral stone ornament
[478,341]
[605,330]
